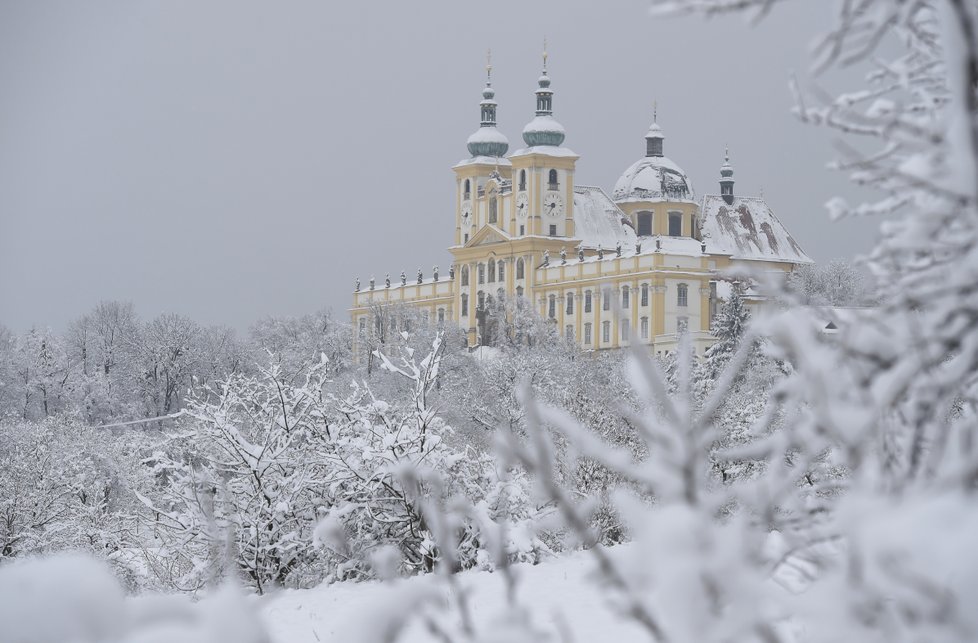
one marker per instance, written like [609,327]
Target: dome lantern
[654,137]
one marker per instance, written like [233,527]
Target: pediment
[487,235]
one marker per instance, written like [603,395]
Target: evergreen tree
[728,327]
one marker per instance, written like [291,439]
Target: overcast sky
[232,160]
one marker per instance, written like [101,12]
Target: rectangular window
[624,297]
[645,294]
[625,330]
[675,224]
[553,230]
[645,328]
[552,310]
[570,303]
[500,271]
[713,301]
[587,301]
[682,295]
[606,331]
[587,333]
[465,305]
[522,230]
[606,300]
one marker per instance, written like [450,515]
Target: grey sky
[231,160]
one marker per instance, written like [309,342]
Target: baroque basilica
[643,264]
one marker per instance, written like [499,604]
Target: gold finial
[488,65]
[655,111]
[545,53]
[726,153]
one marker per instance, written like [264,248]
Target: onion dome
[655,177]
[544,128]
[487,140]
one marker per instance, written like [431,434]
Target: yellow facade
[517,234]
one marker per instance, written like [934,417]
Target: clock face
[466,214]
[553,205]
[522,205]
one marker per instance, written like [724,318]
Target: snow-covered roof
[485,160]
[747,229]
[488,135]
[598,221]
[549,150]
[544,123]
[653,178]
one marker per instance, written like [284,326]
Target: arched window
[552,182]
[492,270]
[644,224]
[675,224]
[682,295]
[625,292]
[570,303]
[493,213]
[465,305]
[522,180]
[501,270]
[587,333]
[645,294]
[520,268]
[468,189]
[464,275]
[482,273]
[587,301]
[552,307]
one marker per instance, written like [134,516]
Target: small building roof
[747,228]
[598,221]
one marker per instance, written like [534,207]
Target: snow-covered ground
[347,612]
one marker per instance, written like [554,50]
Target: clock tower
[543,172]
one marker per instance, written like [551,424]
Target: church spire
[487,140]
[544,129]
[726,178]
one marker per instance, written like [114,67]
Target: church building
[643,264]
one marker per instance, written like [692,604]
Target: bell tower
[480,177]
[543,171]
